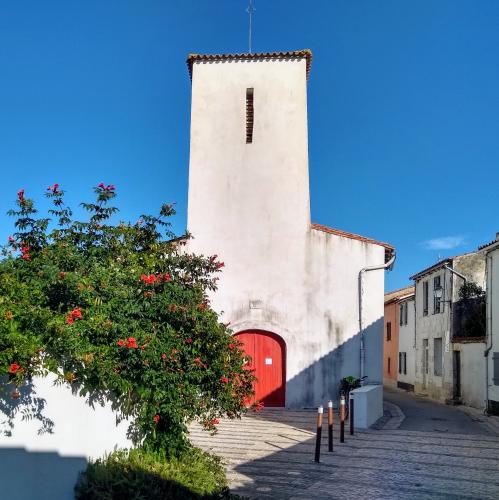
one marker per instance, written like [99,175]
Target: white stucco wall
[407,344]
[46,466]
[492,318]
[472,373]
[249,203]
[431,326]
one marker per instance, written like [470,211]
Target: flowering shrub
[121,313]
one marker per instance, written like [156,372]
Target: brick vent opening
[249,116]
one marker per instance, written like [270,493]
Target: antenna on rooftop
[250,9]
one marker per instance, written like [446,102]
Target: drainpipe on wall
[451,314]
[488,268]
[453,271]
[389,266]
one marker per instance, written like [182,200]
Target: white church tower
[289,288]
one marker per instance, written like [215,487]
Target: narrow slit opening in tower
[249,116]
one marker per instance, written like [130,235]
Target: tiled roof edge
[307,53]
[353,236]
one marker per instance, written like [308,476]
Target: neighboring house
[407,341]
[290,289]
[449,353]
[395,317]
[491,352]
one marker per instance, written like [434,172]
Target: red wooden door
[268,360]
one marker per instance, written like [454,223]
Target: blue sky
[403,108]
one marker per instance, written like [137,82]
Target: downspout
[389,266]
[451,316]
[456,273]
[488,268]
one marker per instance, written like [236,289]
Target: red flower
[121,343]
[220,265]
[213,258]
[102,186]
[188,341]
[53,188]
[11,239]
[132,343]
[70,321]
[163,356]
[117,370]
[20,195]
[224,380]
[232,346]
[149,280]
[156,419]
[76,313]
[62,274]
[198,362]
[14,368]
[147,294]
[167,277]
[25,252]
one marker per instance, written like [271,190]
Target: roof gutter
[389,266]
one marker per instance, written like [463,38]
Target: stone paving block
[270,455]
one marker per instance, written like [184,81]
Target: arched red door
[268,360]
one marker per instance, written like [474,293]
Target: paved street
[421,414]
[270,455]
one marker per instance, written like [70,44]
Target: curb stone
[392,417]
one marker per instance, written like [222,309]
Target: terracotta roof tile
[339,232]
[402,293]
[307,53]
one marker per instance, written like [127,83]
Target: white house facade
[290,289]
[449,367]
[407,343]
[491,252]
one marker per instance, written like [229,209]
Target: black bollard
[330,421]
[320,410]
[342,419]
[351,414]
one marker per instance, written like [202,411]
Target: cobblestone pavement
[423,414]
[270,455]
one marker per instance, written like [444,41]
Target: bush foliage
[146,475]
[121,313]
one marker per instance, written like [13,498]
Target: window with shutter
[495,359]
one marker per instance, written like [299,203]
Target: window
[389,363]
[249,116]
[437,295]
[403,363]
[404,306]
[495,377]
[425,298]
[388,332]
[437,357]
[425,356]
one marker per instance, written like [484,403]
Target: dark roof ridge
[307,53]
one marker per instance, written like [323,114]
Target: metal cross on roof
[250,9]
